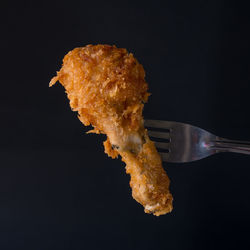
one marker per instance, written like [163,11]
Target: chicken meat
[106,86]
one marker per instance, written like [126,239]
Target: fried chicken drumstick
[106,86]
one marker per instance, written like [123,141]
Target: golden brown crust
[100,74]
[149,182]
[109,150]
[106,86]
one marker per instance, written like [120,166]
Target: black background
[58,190]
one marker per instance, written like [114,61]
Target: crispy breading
[106,86]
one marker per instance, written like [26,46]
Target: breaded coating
[106,86]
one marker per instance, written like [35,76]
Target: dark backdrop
[58,190]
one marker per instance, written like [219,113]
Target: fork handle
[235,146]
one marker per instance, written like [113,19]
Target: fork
[185,143]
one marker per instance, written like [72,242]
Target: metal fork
[185,143]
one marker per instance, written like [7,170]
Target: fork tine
[158,124]
[164,156]
[156,134]
[162,145]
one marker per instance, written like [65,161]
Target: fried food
[106,86]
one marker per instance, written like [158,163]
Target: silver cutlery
[185,143]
